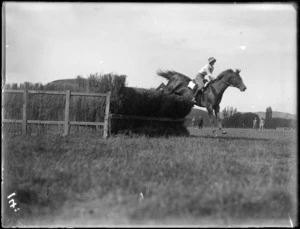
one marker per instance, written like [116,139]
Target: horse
[212,94]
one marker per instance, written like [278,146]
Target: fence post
[24,124]
[67,109]
[106,118]
[109,125]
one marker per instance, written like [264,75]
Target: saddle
[193,85]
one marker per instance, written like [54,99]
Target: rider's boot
[199,91]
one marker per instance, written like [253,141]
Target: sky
[50,41]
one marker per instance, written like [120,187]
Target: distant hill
[278,114]
[66,81]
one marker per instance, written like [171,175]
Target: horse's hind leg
[168,91]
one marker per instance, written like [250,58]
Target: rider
[206,70]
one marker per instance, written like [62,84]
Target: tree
[269,113]
[15,86]
[233,121]
[7,86]
[241,120]
[268,120]
[227,112]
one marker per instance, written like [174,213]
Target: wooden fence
[67,121]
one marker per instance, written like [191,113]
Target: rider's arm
[210,77]
[209,73]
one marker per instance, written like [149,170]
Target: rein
[228,84]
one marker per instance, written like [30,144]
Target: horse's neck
[217,88]
[220,86]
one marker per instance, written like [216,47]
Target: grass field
[243,178]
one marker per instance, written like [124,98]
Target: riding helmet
[211,59]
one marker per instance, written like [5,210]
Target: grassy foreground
[243,178]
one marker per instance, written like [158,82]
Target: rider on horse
[199,79]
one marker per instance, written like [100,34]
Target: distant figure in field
[255,123]
[194,122]
[261,123]
[200,122]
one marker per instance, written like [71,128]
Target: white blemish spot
[291,222]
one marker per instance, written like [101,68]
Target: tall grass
[153,179]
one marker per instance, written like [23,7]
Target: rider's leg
[200,83]
[199,89]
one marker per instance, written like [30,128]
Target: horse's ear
[238,70]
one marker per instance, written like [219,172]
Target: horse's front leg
[211,118]
[217,114]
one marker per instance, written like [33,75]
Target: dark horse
[212,94]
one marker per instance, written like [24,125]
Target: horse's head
[235,80]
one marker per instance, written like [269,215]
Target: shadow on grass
[229,138]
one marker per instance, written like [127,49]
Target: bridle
[228,84]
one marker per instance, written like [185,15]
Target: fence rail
[67,121]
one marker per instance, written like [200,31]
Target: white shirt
[207,70]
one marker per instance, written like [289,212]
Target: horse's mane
[222,74]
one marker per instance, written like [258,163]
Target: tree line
[234,119]
[51,107]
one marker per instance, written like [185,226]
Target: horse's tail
[165,74]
